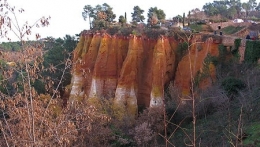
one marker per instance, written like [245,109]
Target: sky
[66,15]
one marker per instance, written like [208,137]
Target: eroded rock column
[127,88]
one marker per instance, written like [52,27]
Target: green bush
[196,27]
[2,88]
[125,31]
[39,86]
[252,52]
[100,24]
[253,134]
[222,52]
[182,49]
[113,30]
[232,85]
[237,44]
[11,46]
[205,72]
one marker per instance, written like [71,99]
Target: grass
[200,27]
[253,132]
[196,27]
[231,29]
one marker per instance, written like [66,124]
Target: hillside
[127,78]
[188,78]
[140,72]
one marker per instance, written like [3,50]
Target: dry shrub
[23,127]
[77,125]
[207,101]
[211,100]
[148,126]
[143,134]
[92,124]
[29,119]
[250,97]
[154,33]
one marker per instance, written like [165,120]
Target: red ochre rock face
[134,70]
[193,64]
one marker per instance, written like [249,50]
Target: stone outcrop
[197,66]
[134,70]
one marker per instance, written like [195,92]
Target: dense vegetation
[231,9]
[57,52]
[102,16]
[11,46]
[252,53]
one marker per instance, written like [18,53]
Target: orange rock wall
[134,70]
[193,63]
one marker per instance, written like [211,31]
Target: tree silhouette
[137,15]
[155,15]
[88,12]
[122,20]
[102,15]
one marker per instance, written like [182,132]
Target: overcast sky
[66,15]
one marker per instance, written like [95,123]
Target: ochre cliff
[194,65]
[134,70]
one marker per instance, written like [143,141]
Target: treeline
[56,53]
[231,9]
[11,46]
[102,16]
